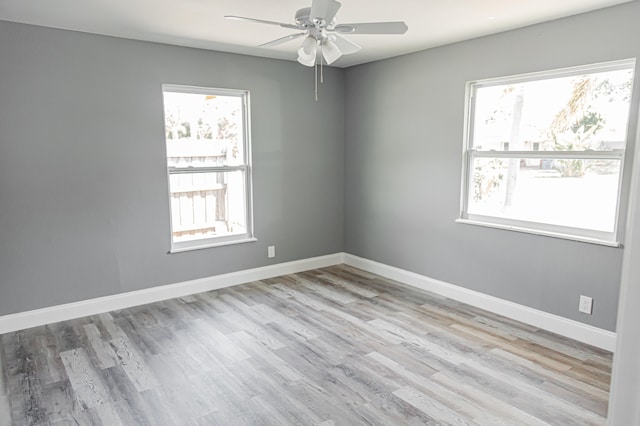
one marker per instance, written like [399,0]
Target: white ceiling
[200,23]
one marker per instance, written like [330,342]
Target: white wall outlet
[271,251]
[586,305]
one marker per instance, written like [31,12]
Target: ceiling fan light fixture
[331,52]
[308,49]
[307,62]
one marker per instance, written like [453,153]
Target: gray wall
[403,158]
[83,187]
[372,169]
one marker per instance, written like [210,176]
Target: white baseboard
[594,336]
[573,329]
[38,317]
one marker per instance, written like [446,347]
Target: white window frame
[223,240]
[537,228]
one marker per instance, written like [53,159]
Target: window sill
[211,245]
[540,232]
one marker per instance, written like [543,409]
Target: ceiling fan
[317,24]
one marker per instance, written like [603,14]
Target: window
[544,151]
[208,162]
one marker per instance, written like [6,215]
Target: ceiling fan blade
[331,52]
[347,47]
[282,40]
[372,28]
[324,9]
[262,21]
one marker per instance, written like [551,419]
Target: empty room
[315,212]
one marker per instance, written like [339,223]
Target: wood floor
[333,346]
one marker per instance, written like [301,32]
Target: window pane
[203,130]
[574,113]
[206,205]
[573,193]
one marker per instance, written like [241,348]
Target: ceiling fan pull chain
[321,65]
[315,67]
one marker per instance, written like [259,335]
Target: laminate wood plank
[107,414]
[282,291]
[46,358]
[405,414]
[85,380]
[442,356]
[283,398]
[591,352]
[112,329]
[337,294]
[225,348]
[289,325]
[211,300]
[562,357]
[67,334]
[262,335]
[561,389]
[165,338]
[104,354]
[315,405]
[133,364]
[400,332]
[224,390]
[414,323]
[447,316]
[256,414]
[346,285]
[553,406]
[144,343]
[132,407]
[63,407]
[353,274]
[501,408]
[432,407]
[187,299]
[455,400]
[514,348]
[278,366]
[533,337]
[239,295]
[177,387]
[278,415]
[372,332]
[377,390]
[546,373]
[284,307]
[591,376]
[23,379]
[196,356]
[341,335]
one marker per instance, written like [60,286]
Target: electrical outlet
[271,251]
[586,305]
